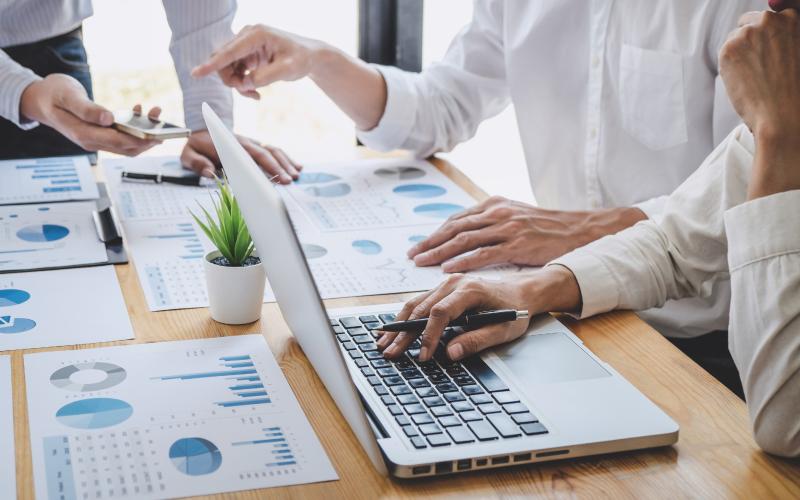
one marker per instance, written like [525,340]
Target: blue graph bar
[253,394]
[234,358]
[196,256]
[281,464]
[72,180]
[244,403]
[239,365]
[248,379]
[191,376]
[263,441]
[173,236]
[51,175]
[61,189]
[55,165]
[244,387]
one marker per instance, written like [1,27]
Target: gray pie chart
[62,378]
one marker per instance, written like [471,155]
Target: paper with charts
[62,307]
[166,420]
[49,235]
[43,180]
[356,220]
[8,469]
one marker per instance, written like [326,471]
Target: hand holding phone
[144,127]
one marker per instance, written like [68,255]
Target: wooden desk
[715,456]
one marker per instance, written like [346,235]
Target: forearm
[356,87]
[14,80]
[596,224]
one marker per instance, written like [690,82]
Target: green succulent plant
[229,231]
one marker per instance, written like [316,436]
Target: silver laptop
[542,397]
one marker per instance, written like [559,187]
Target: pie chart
[367,247]
[94,413]
[329,190]
[314,251]
[10,324]
[438,210]
[195,456]
[419,190]
[13,297]
[400,173]
[416,238]
[315,178]
[41,233]
[87,377]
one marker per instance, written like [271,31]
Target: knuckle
[439,311]
[462,239]
[454,279]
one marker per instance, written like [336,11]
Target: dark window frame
[390,33]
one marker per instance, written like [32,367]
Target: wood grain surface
[715,456]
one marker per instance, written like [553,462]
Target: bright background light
[128,46]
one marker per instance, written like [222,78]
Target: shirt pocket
[651,96]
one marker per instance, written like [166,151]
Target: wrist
[28,103]
[776,165]
[552,289]
[599,223]
[323,59]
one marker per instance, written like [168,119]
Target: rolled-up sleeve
[441,107]
[14,79]
[764,338]
[198,28]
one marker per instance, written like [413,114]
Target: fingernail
[455,351]
[208,173]
[423,353]
[285,178]
[389,351]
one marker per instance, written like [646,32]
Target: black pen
[466,320]
[183,180]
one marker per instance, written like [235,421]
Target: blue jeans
[60,54]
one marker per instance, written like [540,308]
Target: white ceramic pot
[235,294]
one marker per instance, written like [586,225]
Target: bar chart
[38,180]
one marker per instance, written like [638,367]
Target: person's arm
[14,79]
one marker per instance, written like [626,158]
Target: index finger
[238,48]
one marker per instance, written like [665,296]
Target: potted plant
[235,277]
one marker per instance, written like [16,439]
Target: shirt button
[595,61]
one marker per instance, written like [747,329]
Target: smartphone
[143,127]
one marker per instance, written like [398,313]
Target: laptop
[542,397]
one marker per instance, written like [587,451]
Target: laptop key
[418,443]
[339,330]
[332,322]
[470,416]
[362,339]
[419,382]
[404,364]
[421,419]
[395,410]
[381,363]
[460,434]
[446,387]
[411,374]
[515,408]
[373,380]
[489,408]
[342,337]
[524,418]
[368,319]
[485,375]
[349,322]
[349,346]
[480,399]
[381,390]
[362,363]
[453,397]
[449,421]
[433,401]
[463,380]
[415,409]
[373,326]
[373,355]
[407,399]
[356,354]
[439,440]
[399,390]
[387,318]
[483,430]
[367,372]
[533,429]
[471,390]
[505,397]
[387,400]
[438,378]
[460,406]
[428,429]
[394,381]
[504,425]
[372,346]
[426,392]
[387,372]
[410,430]
[441,411]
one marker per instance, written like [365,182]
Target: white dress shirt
[710,232]
[617,102]
[198,28]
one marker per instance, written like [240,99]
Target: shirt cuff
[599,292]
[13,84]
[653,208]
[395,125]
[763,228]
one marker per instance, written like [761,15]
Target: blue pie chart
[438,210]
[367,247]
[42,233]
[416,238]
[13,297]
[329,190]
[94,413]
[195,456]
[419,190]
[315,178]
[10,325]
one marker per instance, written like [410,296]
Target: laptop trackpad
[548,358]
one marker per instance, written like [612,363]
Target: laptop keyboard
[438,402]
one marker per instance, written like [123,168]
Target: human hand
[260,55]
[502,231]
[200,155]
[59,101]
[553,288]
